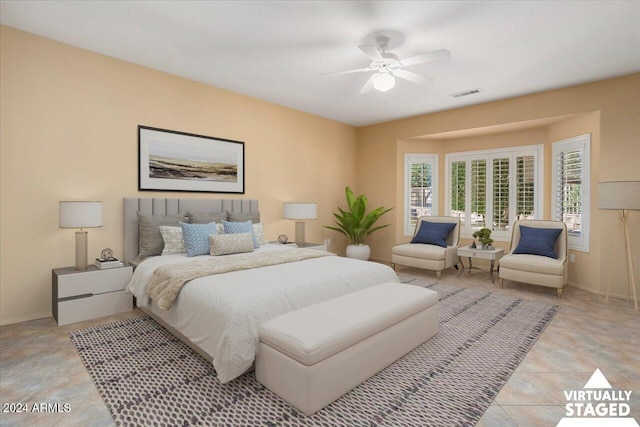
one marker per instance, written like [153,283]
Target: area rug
[148,377]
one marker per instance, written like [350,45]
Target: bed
[219,315]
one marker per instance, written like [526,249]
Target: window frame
[575,242]
[489,155]
[409,159]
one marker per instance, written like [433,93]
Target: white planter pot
[359,252]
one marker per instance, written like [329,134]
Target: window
[494,188]
[420,199]
[570,188]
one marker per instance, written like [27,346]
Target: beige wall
[607,109]
[69,122]
[68,130]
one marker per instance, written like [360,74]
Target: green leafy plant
[484,236]
[354,223]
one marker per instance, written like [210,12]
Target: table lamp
[80,215]
[622,196]
[299,212]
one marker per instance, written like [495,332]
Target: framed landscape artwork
[178,161]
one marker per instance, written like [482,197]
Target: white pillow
[225,244]
[258,230]
[173,240]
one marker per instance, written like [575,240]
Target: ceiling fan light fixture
[383,82]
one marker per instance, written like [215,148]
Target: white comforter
[221,314]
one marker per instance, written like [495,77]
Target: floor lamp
[622,196]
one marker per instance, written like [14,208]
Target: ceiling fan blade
[372,52]
[368,85]
[436,55]
[411,76]
[358,70]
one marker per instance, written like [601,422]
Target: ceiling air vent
[465,93]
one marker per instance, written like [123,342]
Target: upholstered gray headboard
[162,206]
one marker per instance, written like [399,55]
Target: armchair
[429,256]
[536,269]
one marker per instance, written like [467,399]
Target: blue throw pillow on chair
[196,237]
[538,241]
[241,227]
[433,233]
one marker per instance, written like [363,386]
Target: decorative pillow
[173,240]
[254,217]
[196,237]
[149,236]
[241,227]
[219,228]
[206,217]
[225,244]
[538,241]
[433,233]
[258,230]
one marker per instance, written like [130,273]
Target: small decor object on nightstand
[283,239]
[107,254]
[107,260]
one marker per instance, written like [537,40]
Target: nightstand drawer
[77,310]
[93,282]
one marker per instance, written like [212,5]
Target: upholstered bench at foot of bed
[312,356]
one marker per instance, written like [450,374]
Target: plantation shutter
[478,193]
[500,194]
[420,203]
[525,187]
[458,182]
[569,168]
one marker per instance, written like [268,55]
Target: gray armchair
[536,269]
[429,257]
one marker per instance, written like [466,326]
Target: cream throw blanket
[166,282]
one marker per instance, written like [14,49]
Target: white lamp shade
[300,210]
[383,82]
[619,195]
[80,214]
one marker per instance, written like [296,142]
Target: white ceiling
[277,50]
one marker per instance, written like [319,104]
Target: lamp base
[81,250]
[300,234]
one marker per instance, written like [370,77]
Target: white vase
[359,252]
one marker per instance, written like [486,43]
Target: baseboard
[598,292]
[25,318]
[381,260]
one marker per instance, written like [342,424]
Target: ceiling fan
[388,66]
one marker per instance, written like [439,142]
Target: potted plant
[484,236]
[357,225]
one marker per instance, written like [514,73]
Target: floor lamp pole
[631,277]
[630,273]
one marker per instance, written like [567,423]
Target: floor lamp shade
[619,195]
[622,196]
[299,212]
[80,215]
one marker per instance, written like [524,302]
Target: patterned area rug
[148,377]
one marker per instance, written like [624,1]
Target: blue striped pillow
[538,241]
[196,237]
[241,227]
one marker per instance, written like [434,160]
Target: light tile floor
[38,363]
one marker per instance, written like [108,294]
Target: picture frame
[170,160]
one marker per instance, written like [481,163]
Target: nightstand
[78,295]
[317,246]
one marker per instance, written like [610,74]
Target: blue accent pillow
[196,237]
[538,241]
[241,227]
[433,233]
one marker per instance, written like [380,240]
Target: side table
[490,254]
